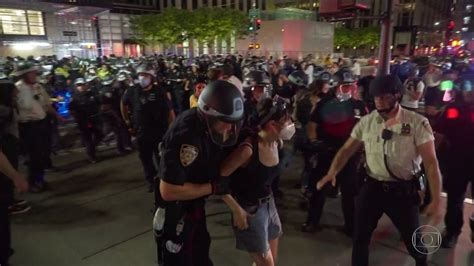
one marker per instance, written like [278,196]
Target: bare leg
[263,259]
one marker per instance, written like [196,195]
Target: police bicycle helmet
[221,106]
[257,79]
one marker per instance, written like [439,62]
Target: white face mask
[287,132]
[144,81]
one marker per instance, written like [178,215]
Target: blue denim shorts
[264,225]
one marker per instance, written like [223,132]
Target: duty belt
[406,187]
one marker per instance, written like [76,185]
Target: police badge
[188,154]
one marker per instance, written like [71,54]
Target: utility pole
[385,52]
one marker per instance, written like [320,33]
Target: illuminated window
[21,22]
[35,21]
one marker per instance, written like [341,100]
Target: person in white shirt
[356,69]
[414,87]
[433,96]
[33,105]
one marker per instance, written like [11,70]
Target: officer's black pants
[32,135]
[147,149]
[371,202]
[191,247]
[116,125]
[90,136]
[347,182]
[459,174]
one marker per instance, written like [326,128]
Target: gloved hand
[221,185]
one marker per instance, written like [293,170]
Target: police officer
[84,107]
[256,86]
[152,112]
[189,171]
[110,111]
[395,142]
[330,126]
[456,124]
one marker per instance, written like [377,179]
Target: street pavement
[101,215]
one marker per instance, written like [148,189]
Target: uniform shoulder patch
[188,154]
[427,126]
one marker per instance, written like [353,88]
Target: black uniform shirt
[150,109]
[85,106]
[335,119]
[188,153]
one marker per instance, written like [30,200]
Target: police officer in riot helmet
[330,126]
[395,141]
[152,113]
[189,172]
[456,126]
[297,80]
[256,86]
[84,107]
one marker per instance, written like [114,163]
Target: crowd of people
[218,125]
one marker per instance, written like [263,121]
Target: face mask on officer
[144,81]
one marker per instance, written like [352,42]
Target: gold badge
[406,129]
[188,154]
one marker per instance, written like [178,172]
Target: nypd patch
[188,154]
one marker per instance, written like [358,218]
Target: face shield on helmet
[222,108]
[344,91]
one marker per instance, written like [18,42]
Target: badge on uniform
[188,154]
[406,129]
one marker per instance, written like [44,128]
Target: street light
[436,23]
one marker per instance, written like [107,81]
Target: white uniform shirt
[407,100]
[356,69]
[409,131]
[29,108]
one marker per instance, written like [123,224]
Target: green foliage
[360,37]
[173,26]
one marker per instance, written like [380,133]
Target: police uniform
[110,101]
[84,107]
[456,124]
[188,156]
[150,114]
[33,103]
[383,190]
[335,120]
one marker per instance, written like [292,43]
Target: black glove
[221,185]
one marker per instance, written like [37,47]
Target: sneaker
[449,240]
[17,209]
[19,202]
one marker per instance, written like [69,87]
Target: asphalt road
[101,215]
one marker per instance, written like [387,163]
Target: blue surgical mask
[144,81]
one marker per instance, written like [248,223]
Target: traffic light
[251,46]
[258,22]
[251,27]
[257,46]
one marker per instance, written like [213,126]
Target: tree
[358,37]
[173,26]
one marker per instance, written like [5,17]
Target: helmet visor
[223,133]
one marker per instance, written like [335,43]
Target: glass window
[35,21]
[13,21]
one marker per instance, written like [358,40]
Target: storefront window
[21,22]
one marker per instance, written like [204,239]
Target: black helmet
[146,68]
[298,78]
[257,78]
[108,80]
[386,84]
[322,75]
[222,101]
[343,76]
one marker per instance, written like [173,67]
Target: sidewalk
[101,215]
